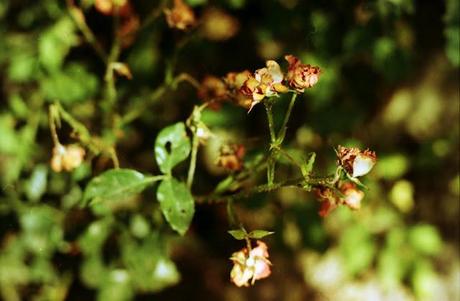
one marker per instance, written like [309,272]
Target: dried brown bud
[231,157]
[67,157]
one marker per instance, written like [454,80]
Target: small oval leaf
[115,185]
[258,234]
[172,146]
[176,203]
[238,234]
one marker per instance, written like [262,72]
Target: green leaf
[258,234]
[307,167]
[115,185]
[72,84]
[176,203]
[239,234]
[171,146]
[55,43]
[425,239]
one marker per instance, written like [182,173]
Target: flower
[301,76]
[250,266]
[356,162]
[181,16]
[234,82]
[231,157]
[265,82]
[66,157]
[212,90]
[352,195]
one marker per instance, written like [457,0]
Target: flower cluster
[67,157]
[250,265]
[247,89]
[356,163]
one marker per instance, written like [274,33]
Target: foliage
[136,135]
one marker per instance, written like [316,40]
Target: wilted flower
[266,82]
[301,76]
[181,16]
[231,157]
[347,194]
[212,90]
[352,196]
[67,157]
[329,200]
[356,162]
[218,25]
[250,266]
[234,82]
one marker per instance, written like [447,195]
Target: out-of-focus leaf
[117,286]
[172,146]
[176,203]
[392,166]
[74,83]
[402,195]
[9,140]
[357,248]
[36,185]
[258,234]
[22,67]
[139,226]
[95,235]
[115,185]
[427,285]
[149,267]
[18,106]
[391,268]
[452,31]
[425,239]
[93,272]
[55,43]
[42,229]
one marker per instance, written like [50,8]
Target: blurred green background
[390,82]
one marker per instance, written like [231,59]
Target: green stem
[271,124]
[297,182]
[271,159]
[153,179]
[79,19]
[52,125]
[282,132]
[191,170]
